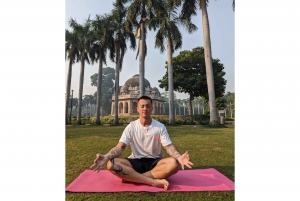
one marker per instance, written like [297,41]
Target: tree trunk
[142,58]
[230,110]
[191,107]
[99,85]
[90,109]
[170,83]
[117,73]
[81,77]
[68,91]
[214,119]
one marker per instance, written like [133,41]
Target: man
[146,164]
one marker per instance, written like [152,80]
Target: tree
[184,103]
[138,13]
[103,40]
[75,104]
[107,87]
[189,9]
[165,96]
[88,101]
[229,97]
[179,102]
[221,103]
[168,23]
[189,75]
[120,35]
[83,34]
[71,52]
[198,101]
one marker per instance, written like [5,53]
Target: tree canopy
[189,74]
[107,87]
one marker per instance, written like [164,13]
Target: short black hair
[145,98]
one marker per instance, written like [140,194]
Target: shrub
[202,119]
[229,119]
[179,119]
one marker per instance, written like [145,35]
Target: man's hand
[184,160]
[99,162]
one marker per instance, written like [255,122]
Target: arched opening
[134,105]
[126,107]
[160,108]
[120,108]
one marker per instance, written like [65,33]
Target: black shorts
[143,164]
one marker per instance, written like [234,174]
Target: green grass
[208,148]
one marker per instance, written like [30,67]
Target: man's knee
[175,164]
[172,165]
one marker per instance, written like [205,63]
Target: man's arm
[183,159]
[172,151]
[113,153]
[116,151]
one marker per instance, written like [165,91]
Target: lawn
[208,148]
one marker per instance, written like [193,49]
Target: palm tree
[103,40]
[189,9]
[229,97]
[71,52]
[138,13]
[168,30]
[83,34]
[200,103]
[120,35]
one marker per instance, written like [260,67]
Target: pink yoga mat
[184,180]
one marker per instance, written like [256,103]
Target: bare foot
[124,181]
[162,183]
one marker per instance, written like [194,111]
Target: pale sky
[221,19]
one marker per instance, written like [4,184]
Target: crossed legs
[155,177]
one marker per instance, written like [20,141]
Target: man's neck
[146,122]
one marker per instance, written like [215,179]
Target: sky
[32,83]
[221,19]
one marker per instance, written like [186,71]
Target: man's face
[144,108]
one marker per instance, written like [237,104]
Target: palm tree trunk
[191,106]
[142,58]
[117,72]
[214,119]
[81,77]
[99,91]
[68,91]
[170,84]
[230,110]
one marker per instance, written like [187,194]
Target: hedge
[179,119]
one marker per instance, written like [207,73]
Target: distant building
[129,94]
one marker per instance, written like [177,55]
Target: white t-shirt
[146,142]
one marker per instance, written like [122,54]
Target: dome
[135,82]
